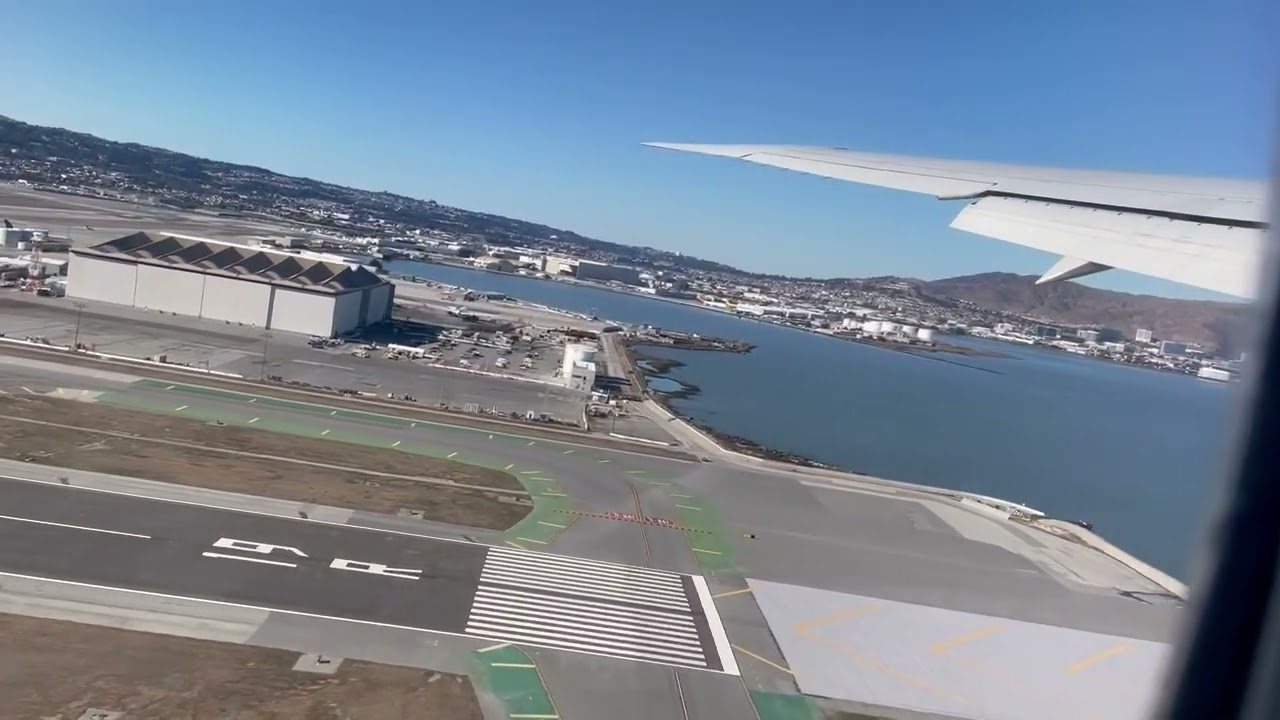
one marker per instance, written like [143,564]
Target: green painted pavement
[509,675]
[783,706]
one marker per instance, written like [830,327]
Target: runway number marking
[261,548]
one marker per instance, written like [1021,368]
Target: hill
[1212,324]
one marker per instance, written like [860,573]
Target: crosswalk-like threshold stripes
[585,606]
[577,586]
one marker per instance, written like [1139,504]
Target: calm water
[1133,451]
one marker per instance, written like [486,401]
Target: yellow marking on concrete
[567,452]
[455,452]
[889,670]
[709,552]
[764,660]
[180,408]
[533,442]
[325,431]
[395,444]
[254,420]
[499,646]
[838,615]
[1099,657]
[687,507]
[949,643]
[514,665]
[516,545]
[540,542]
[728,593]
[544,522]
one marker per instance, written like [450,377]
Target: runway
[369,576]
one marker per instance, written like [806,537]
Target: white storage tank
[908,330]
[890,327]
[872,327]
[575,353]
[926,334]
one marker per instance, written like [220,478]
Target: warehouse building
[233,283]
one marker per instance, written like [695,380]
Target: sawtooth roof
[247,263]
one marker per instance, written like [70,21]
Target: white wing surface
[1206,232]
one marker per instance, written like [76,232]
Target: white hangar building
[234,283]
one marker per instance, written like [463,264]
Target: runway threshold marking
[764,660]
[1098,657]
[223,556]
[729,593]
[949,643]
[74,527]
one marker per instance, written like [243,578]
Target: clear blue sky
[537,109]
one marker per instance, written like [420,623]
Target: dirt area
[53,669]
[196,453]
[402,409]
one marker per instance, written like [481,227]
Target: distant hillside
[1212,324]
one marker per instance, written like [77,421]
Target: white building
[1142,335]
[232,283]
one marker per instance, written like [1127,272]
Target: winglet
[1069,268]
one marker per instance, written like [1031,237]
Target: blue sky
[537,110]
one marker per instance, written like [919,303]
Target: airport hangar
[229,282]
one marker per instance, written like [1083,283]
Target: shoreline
[728,445]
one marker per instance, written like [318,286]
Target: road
[349,573]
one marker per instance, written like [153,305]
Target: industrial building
[578,367]
[588,270]
[229,282]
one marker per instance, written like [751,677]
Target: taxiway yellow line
[728,593]
[764,660]
[1098,657]
[949,643]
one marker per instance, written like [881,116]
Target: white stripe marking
[73,527]
[292,515]
[576,562]
[252,560]
[675,590]
[727,660]
[599,594]
[300,613]
[557,600]
[596,624]
[599,648]
[659,625]
[579,633]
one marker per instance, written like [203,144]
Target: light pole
[75,344]
[262,369]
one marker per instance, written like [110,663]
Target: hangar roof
[215,257]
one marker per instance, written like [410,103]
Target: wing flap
[1216,257]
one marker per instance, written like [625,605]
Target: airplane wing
[1206,232]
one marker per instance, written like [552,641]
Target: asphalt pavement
[350,573]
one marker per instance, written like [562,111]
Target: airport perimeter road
[368,576]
